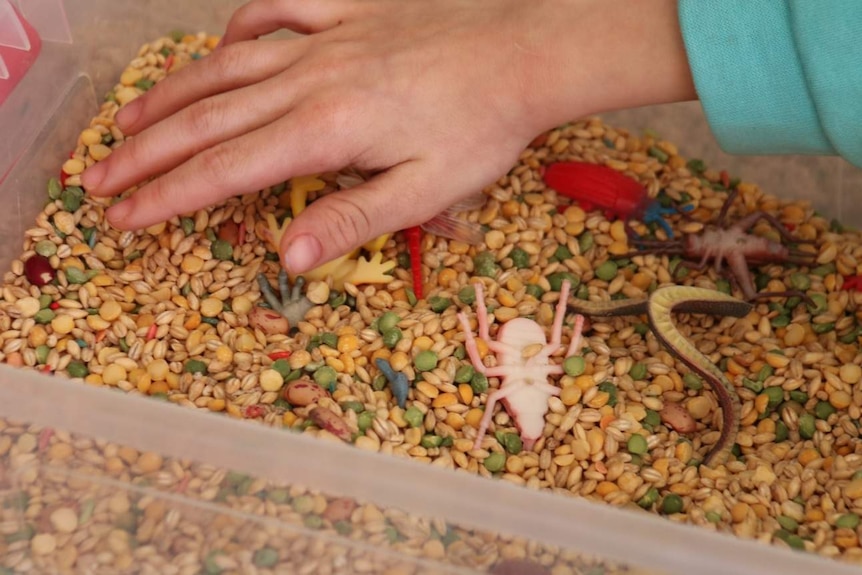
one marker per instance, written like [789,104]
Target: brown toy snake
[658,309]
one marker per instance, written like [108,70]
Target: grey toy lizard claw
[293,304]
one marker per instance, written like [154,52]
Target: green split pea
[425,360]
[495,462]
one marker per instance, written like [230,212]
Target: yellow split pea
[211,307]
[114,374]
[110,310]
[271,380]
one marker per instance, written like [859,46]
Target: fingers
[286,148]
[339,222]
[197,127]
[261,17]
[223,70]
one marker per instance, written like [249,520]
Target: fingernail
[302,254]
[93,176]
[128,114]
[118,212]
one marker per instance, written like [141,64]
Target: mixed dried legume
[69,504]
[175,312]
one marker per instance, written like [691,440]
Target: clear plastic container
[94,481]
[20,45]
[137,484]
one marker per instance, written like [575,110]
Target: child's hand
[439,97]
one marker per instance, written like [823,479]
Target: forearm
[773,77]
[596,56]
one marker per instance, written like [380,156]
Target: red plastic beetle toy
[595,186]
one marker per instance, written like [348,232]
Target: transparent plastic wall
[116,484]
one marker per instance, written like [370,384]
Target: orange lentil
[444,400]
[813,515]
[806,456]
[158,387]
[606,487]
[739,511]
[446,276]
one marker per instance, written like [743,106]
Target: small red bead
[254,411]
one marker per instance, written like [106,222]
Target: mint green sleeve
[778,76]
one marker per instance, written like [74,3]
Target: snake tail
[659,308]
[662,303]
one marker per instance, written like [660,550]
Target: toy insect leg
[493,397]
[557,332]
[557,329]
[700,266]
[473,351]
[547,387]
[739,266]
[794,255]
[741,278]
[746,286]
[554,370]
[631,234]
[643,247]
[750,220]
[482,318]
[575,344]
[470,345]
[726,207]
[481,312]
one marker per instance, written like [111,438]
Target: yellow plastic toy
[350,268]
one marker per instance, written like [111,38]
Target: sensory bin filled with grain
[176,313]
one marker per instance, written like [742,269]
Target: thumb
[340,222]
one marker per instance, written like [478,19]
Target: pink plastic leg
[470,345]
[481,312]
[575,345]
[548,388]
[482,318]
[557,330]
[493,398]
[473,352]
[498,371]
[719,259]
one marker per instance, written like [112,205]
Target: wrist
[598,56]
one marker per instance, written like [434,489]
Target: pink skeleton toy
[523,364]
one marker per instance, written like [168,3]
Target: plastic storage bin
[19,48]
[94,481]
